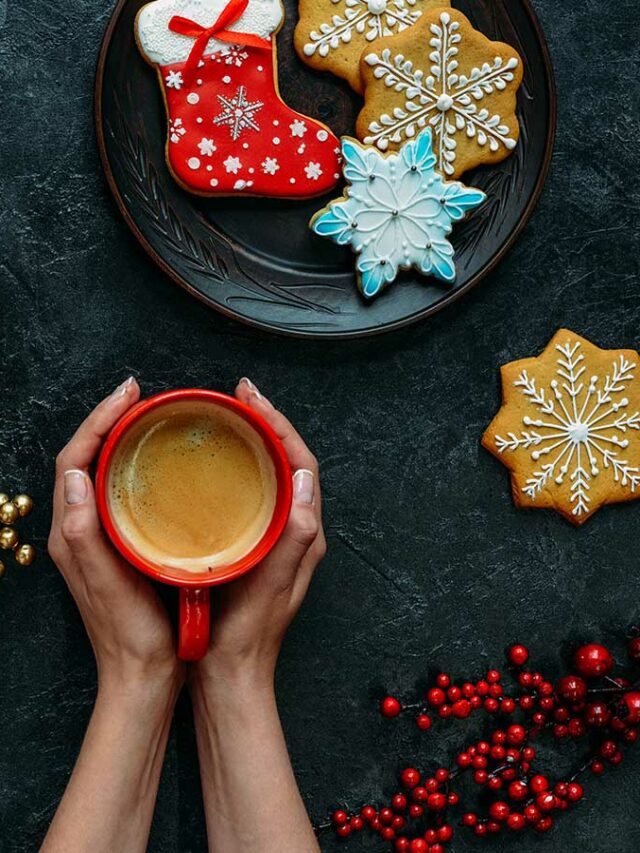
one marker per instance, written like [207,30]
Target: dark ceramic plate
[255,259]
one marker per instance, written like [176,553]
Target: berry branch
[587,704]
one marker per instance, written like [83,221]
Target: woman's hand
[251,615]
[251,798]
[126,622]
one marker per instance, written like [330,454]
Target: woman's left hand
[126,622]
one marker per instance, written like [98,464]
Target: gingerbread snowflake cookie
[331,34]
[396,213]
[569,427]
[444,74]
[229,131]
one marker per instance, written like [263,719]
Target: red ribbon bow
[231,13]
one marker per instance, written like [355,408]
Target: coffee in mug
[192,486]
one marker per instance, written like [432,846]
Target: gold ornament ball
[24,504]
[4,498]
[2,570]
[9,513]
[8,538]
[25,555]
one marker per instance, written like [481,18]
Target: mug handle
[194,623]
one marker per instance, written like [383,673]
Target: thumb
[300,532]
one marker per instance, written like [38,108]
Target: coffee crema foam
[191,486]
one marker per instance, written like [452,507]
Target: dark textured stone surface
[429,563]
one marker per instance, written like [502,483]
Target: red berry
[572,688]
[574,792]
[496,691]
[516,822]
[367,813]
[463,759]
[491,705]
[436,848]
[493,826]
[432,785]
[494,783]
[561,715]
[436,802]
[401,845]
[608,748]
[410,777]
[616,758]
[526,702]
[468,690]
[452,798]
[631,735]
[482,688]
[398,823]
[597,768]
[479,762]
[593,660]
[356,823]
[386,816]
[516,735]
[436,697]
[453,694]
[343,831]
[469,819]
[631,703]
[561,789]
[633,648]
[445,833]
[532,813]
[399,803]
[539,784]
[423,721]
[461,709]
[483,748]
[442,774]
[480,777]
[498,736]
[418,845]
[444,711]
[419,794]
[544,825]
[498,752]
[597,715]
[415,811]
[480,829]
[443,680]
[546,802]
[518,790]
[518,655]
[560,731]
[499,810]
[339,817]
[387,833]
[493,676]
[525,679]
[390,707]
[528,753]
[508,706]
[539,719]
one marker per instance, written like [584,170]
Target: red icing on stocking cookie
[229,131]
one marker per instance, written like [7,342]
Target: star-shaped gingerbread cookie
[569,427]
[444,74]
[331,34]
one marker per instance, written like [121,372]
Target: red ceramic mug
[194,615]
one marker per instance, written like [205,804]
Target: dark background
[429,564]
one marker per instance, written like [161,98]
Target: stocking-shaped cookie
[229,132]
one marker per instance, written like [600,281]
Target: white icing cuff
[160,45]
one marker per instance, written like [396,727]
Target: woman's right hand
[251,615]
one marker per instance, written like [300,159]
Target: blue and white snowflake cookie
[396,213]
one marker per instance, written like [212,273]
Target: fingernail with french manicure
[122,389]
[250,385]
[75,487]
[303,486]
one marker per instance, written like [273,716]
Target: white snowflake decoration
[313,170]
[444,99]
[174,80]
[270,165]
[232,55]
[206,147]
[397,213]
[373,18]
[238,113]
[583,427]
[232,164]
[298,128]
[176,130]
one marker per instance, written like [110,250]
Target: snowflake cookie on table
[569,427]
[229,131]
[396,213]
[444,74]
[331,34]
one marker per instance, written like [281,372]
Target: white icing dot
[199,82]
[292,180]
[275,122]
[199,119]
[193,163]
[336,176]
[276,140]
[322,135]
[249,183]
[260,68]
[209,168]
[214,182]
[226,79]
[251,170]
[193,98]
[245,144]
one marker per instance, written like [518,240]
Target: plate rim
[372,331]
